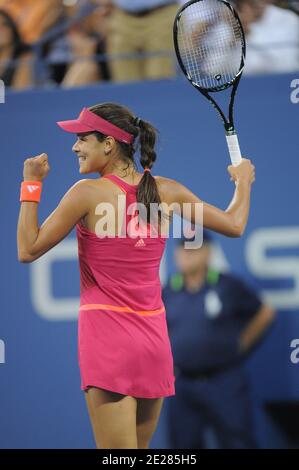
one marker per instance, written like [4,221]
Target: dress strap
[122,184]
[130,190]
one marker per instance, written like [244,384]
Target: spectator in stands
[33,17]
[142,26]
[87,40]
[15,56]
[272,36]
[290,4]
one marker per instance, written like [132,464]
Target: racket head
[210,44]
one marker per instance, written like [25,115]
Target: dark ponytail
[147,190]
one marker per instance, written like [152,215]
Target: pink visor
[88,122]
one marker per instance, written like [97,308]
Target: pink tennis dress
[123,342]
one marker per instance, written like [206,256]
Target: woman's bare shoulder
[164,182]
[91,183]
[88,187]
[168,188]
[171,191]
[167,185]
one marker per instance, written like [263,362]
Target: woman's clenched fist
[36,168]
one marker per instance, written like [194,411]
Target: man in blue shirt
[141,26]
[213,320]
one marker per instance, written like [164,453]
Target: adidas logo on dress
[140,243]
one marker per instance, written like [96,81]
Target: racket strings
[210,43]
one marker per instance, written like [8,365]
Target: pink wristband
[31,191]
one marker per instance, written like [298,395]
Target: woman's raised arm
[230,222]
[33,241]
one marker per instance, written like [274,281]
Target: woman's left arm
[33,241]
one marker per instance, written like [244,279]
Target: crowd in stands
[71,43]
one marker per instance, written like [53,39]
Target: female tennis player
[125,357]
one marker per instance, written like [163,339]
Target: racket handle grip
[234,149]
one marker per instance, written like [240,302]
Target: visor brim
[75,126]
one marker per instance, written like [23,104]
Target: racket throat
[229,128]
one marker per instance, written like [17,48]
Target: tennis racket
[210,46]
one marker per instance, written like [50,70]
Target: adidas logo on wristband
[32,188]
[31,191]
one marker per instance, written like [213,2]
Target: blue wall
[41,403]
